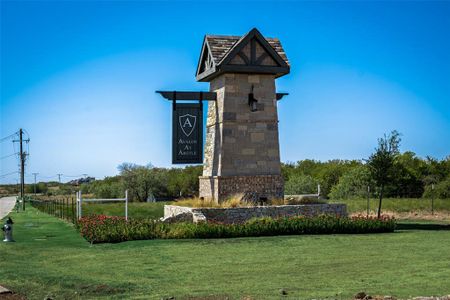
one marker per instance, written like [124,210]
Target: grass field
[51,259]
[399,205]
[135,209]
[156,210]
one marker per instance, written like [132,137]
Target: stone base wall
[256,187]
[243,214]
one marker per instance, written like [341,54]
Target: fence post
[78,205]
[368,200]
[126,205]
[81,205]
[68,208]
[432,199]
[72,211]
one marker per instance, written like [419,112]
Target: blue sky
[80,77]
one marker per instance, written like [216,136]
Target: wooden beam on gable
[254,69]
[248,38]
[207,96]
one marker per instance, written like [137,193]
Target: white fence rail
[80,201]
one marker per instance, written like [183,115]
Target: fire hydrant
[8,229]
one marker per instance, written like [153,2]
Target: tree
[381,162]
[142,182]
[110,187]
[441,189]
[301,184]
[352,184]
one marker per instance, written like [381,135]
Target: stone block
[229,116]
[272,152]
[273,127]
[230,140]
[198,217]
[227,132]
[253,79]
[243,116]
[257,137]
[248,151]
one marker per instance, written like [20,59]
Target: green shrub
[103,229]
[441,190]
[301,184]
[352,184]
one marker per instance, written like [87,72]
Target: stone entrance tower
[242,154]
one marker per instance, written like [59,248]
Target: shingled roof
[221,44]
[219,51]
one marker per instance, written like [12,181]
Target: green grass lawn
[135,209]
[396,205]
[156,210]
[51,259]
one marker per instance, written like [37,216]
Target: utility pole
[22,169]
[35,174]
[59,177]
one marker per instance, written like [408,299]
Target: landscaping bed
[104,229]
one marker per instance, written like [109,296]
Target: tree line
[386,173]
[410,177]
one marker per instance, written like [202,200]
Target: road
[6,205]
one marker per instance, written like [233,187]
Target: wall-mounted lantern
[252,101]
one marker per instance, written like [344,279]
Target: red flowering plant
[101,229]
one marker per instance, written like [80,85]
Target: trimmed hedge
[104,229]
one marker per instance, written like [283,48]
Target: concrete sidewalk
[6,205]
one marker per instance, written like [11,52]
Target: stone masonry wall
[238,141]
[243,214]
[258,186]
[241,143]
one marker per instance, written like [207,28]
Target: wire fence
[63,208]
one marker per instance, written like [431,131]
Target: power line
[48,177]
[8,174]
[6,156]
[8,137]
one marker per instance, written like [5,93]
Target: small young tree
[381,162]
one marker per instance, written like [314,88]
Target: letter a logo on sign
[187,123]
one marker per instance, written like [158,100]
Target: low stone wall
[173,213]
[259,187]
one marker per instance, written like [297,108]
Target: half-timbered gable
[251,53]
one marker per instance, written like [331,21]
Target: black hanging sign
[187,133]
